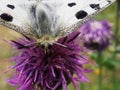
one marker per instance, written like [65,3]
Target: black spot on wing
[10,6]
[81,14]
[95,6]
[109,1]
[71,4]
[6,17]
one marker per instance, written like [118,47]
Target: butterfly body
[46,42]
[48,20]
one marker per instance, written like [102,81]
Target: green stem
[117,24]
[100,73]
[82,87]
[114,79]
[116,44]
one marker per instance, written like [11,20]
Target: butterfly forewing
[74,13]
[14,14]
[53,17]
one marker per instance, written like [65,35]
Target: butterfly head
[46,42]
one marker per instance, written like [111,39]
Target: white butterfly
[48,20]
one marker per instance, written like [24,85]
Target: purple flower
[97,34]
[49,71]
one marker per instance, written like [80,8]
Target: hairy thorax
[46,41]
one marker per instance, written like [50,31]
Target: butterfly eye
[49,46]
[42,46]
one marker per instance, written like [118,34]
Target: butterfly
[48,20]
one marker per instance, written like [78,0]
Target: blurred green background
[108,71]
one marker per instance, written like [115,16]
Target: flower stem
[100,73]
[82,87]
[117,24]
[116,44]
[114,79]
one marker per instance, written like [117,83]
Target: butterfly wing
[73,13]
[57,17]
[86,12]
[14,14]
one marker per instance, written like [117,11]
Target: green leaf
[94,56]
[111,63]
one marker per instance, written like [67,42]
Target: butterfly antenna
[67,47]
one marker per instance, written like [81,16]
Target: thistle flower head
[97,34]
[49,71]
